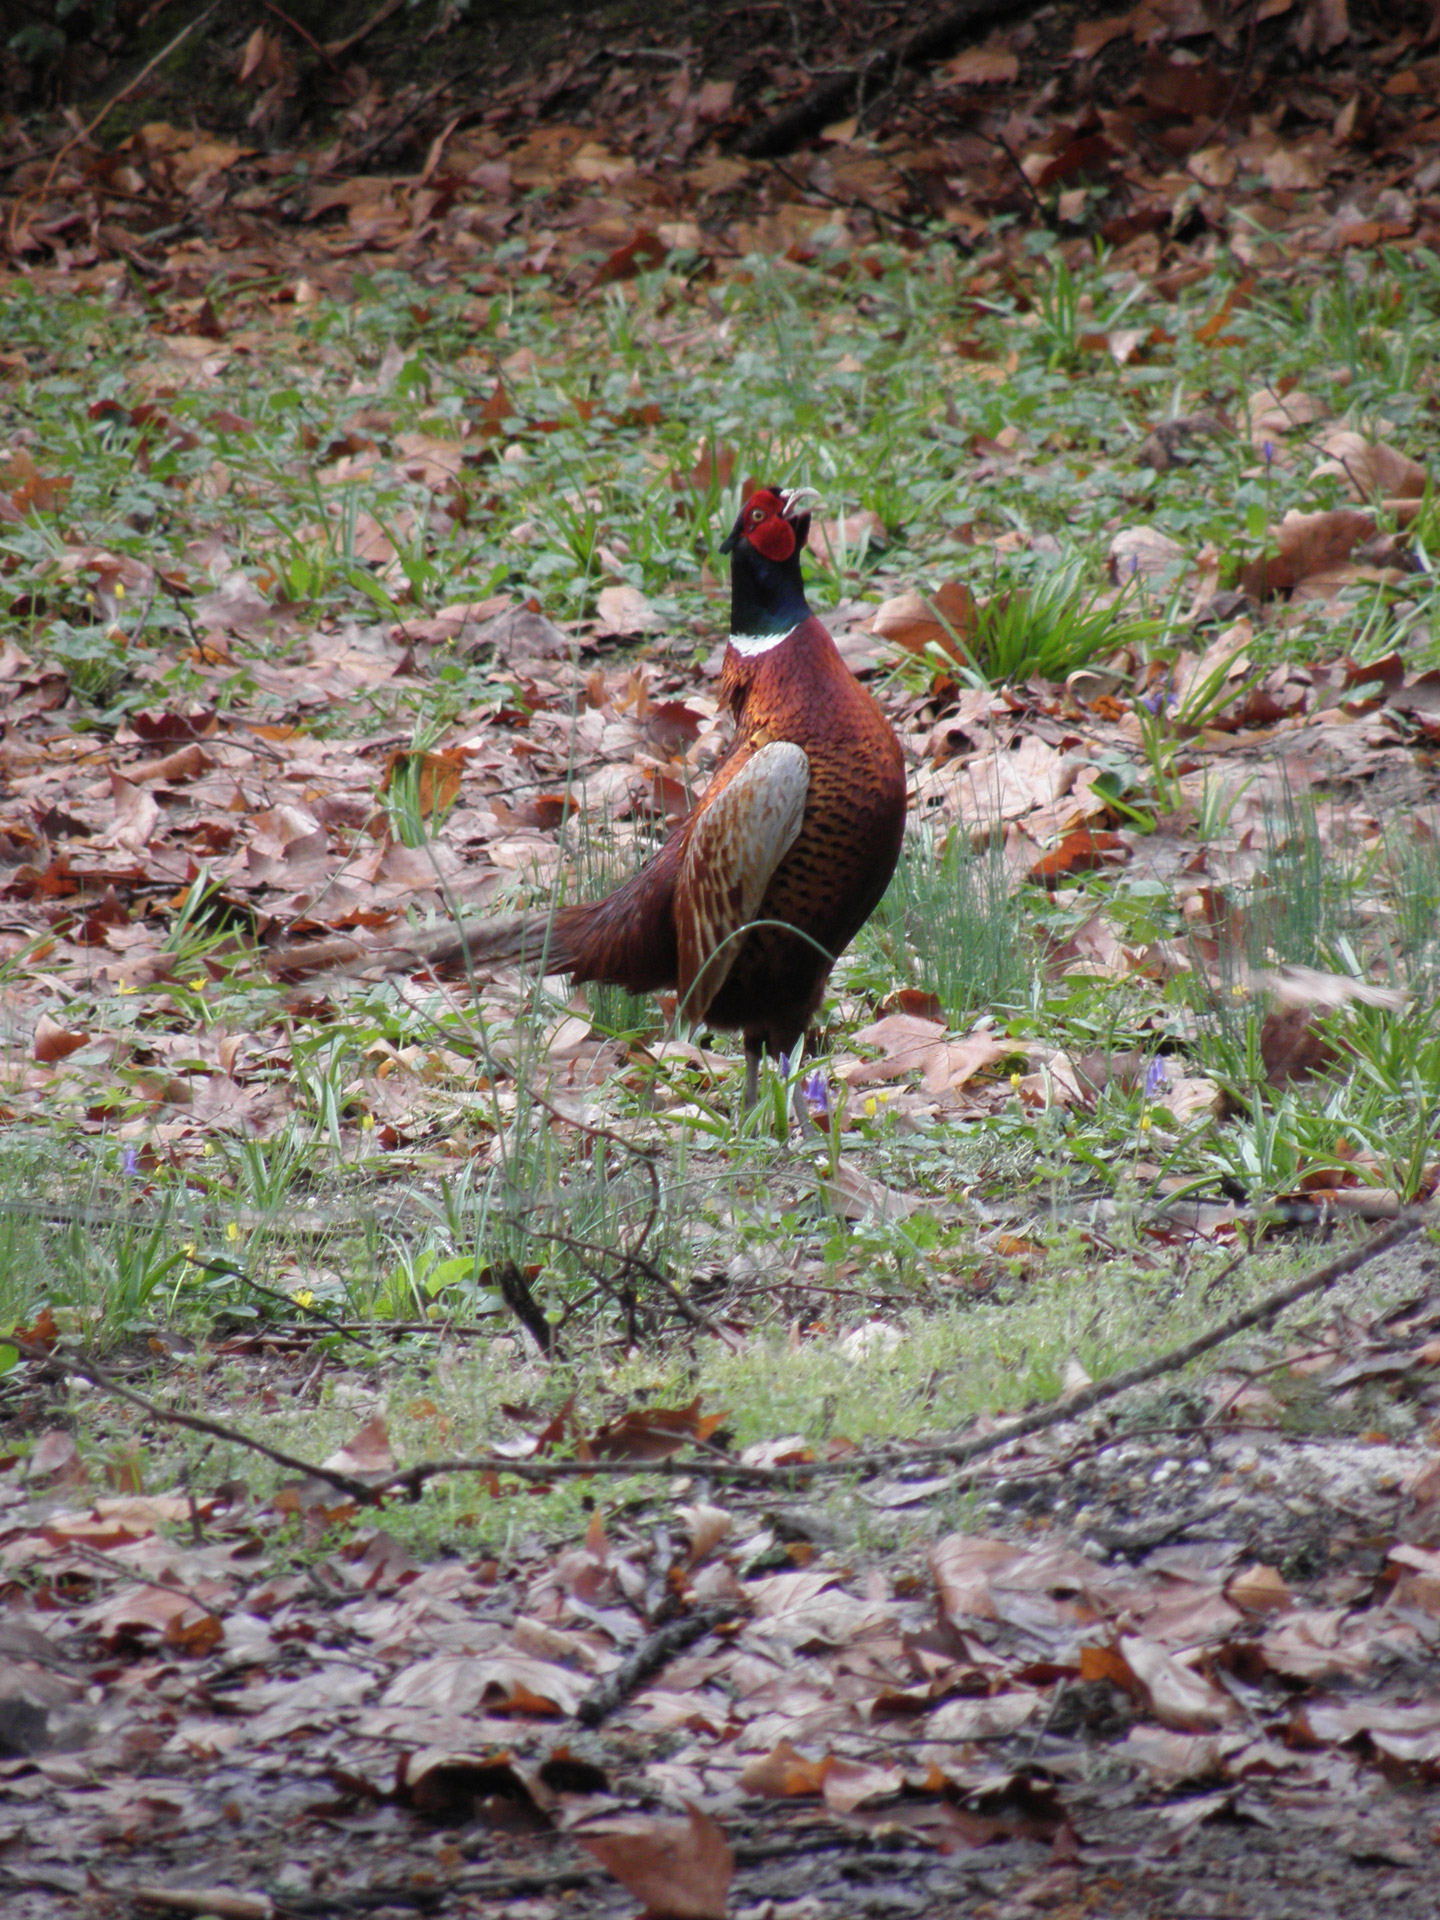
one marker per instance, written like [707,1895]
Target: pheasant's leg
[754,1047]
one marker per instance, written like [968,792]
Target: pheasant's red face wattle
[764,525]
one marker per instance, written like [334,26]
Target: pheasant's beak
[796,500]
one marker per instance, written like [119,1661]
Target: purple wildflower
[129,1164]
[1156,1079]
[1268,451]
[816,1094]
[784,1066]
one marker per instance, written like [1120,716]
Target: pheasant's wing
[737,842]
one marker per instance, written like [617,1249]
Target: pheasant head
[767,595]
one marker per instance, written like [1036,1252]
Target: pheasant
[747,905]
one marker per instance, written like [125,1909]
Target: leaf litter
[186,1668]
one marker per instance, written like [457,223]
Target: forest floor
[450,1458]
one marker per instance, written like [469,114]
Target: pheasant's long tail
[535,940]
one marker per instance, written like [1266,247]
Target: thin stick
[960,1451]
[195,1422]
[308,37]
[129,87]
[719,1466]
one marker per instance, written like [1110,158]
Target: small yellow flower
[119,589]
[199,985]
[1144,1123]
[367,1123]
[232,1232]
[871,1109]
[123,986]
[188,1249]
[303,1298]
[1015,1083]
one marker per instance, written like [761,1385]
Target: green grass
[810,379]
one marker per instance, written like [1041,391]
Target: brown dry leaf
[55,1460]
[1314,555]
[989,1718]
[640,252]
[962,1566]
[990,66]
[1292,1047]
[1324,25]
[906,1041]
[53,1042]
[500,1682]
[1291,169]
[1259,1589]
[1082,851]
[1373,1717]
[784,1774]
[957,1061]
[1146,551]
[850,1783]
[624,610]
[653,1433]
[165,1611]
[916,621]
[1211,332]
[1370,467]
[1180,1697]
[708,1526]
[855,1195]
[1213,167]
[1419,1584]
[1269,414]
[1177,1757]
[1093,36]
[681,1869]
[365,1452]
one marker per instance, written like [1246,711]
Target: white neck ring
[749,645]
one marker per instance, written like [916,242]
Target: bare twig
[129,88]
[99,1559]
[889,1459]
[377,19]
[706,1462]
[194,1422]
[793,124]
[655,1651]
[304,33]
[1203,139]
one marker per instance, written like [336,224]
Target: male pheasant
[785,856]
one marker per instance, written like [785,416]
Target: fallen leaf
[1178,1695]
[917,621]
[1370,467]
[681,1869]
[624,610]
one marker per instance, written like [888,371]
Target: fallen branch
[129,87]
[817,108]
[720,1466]
[958,1452]
[655,1651]
[194,1422]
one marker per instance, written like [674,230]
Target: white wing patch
[736,845]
